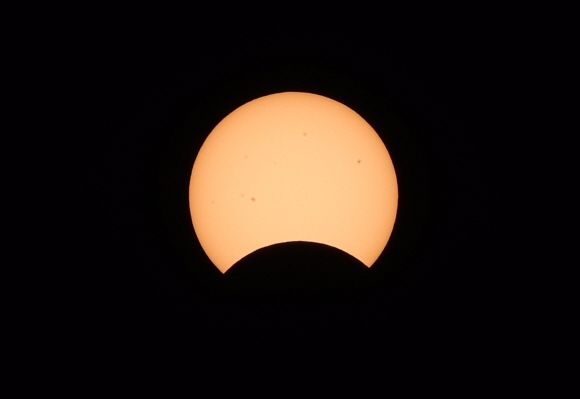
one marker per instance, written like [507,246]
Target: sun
[288,167]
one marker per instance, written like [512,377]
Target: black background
[148,90]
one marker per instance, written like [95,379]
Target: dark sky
[147,94]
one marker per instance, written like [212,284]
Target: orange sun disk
[292,167]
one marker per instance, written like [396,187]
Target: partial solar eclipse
[292,167]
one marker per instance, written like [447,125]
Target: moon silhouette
[292,167]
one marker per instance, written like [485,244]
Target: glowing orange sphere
[292,167]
